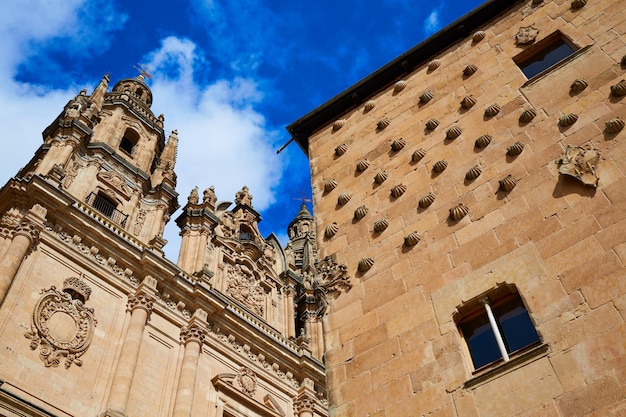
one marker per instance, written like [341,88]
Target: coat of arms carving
[61,326]
[581,162]
[526,35]
[247,380]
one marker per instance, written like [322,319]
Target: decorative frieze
[580,162]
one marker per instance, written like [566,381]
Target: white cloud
[431,23]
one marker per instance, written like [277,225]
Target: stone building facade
[475,188]
[95,321]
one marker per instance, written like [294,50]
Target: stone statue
[193,196]
[208,197]
[243,197]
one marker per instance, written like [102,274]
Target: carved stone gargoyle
[581,162]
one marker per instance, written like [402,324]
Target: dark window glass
[545,58]
[480,341]
[514,322]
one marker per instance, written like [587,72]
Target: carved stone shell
[383,123]
[473,173]
[515,149]
[527,115]
[454,132]
[568,120]
[458,212]
[380,225]
[469,70]
[418,155]
[341,149]
[614,125]
[381,176]
[330,185]
[468,102]
[578,85]
[331,230]
[338,124]
[492,110]
[360,212]
[432,124]
[483,141]
[412,239]
[343,198]
[478,36]
[398,144]
[508,183]
[434,64]
[577,4]
[398,190]
[369,105]
[399,86]
[427,200]
[426,97]
[440,166]
[619,89]
[362,165]
[366,264]
[623,61]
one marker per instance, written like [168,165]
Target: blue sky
[228,75]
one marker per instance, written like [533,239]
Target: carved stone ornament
[116,181]
[426,97]
[193,333]
[246,378]
[332,275]
[468,102]
[578,85]
[440,166]
[381,176]
[619,89]
[398,144]
[383,123]
[473,173]
[380,225]
[331,230]
[412,239]
[432,124]
[515,149]
[454,132]
[483,141]
[366,264]
[304,403]
[330,185]
[398,190]
[458,212]
[526,35]
[581,163]
[577,4]
[427,200]
[470,69]
[343,198]
[399,86]
[478,36]
[568,120]
[244,287]
[507,183]
[492,110]
[418,155]
[338,124]
[369,105]
[527,115]
[623,61]
[61,326]
[434,64]
[341,149]
[362,165]
[360,212]
[614,125]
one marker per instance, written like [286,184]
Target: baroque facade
[95,321]
[475,189]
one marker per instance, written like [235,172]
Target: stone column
[25,235]
[58,154]
[158,219]
[140,306]
[304,402]
[192,336]
[290,293]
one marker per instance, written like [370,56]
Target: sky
[229,75]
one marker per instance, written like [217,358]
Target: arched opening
[129,141]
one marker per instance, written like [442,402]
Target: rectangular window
[544,54]
[498,327]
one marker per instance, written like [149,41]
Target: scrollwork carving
[246,378]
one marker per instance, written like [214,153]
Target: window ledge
[486,375]
[556,66]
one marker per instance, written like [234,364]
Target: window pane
[546,58]
[517,328]
[481,341]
